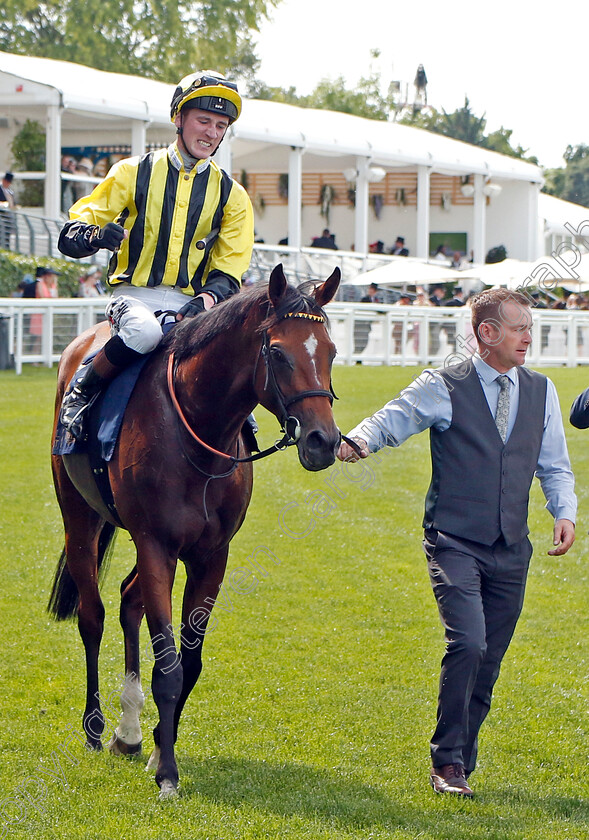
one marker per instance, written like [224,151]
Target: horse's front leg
[156,577]
[127,739]
[200,593]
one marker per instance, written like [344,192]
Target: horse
[181,481]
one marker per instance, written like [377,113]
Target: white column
[361,215]
[138,137]
[423,199]
[53,162]
[295,196]
[533,249]
[479,221]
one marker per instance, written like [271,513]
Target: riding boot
[106,364]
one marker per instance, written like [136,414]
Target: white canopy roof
[265,129]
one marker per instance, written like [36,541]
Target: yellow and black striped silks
[166,211]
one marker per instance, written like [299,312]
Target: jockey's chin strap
[289,424]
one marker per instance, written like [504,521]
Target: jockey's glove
[109,237]
[194,306]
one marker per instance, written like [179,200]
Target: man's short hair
[486,305]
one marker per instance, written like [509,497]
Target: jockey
[180,229]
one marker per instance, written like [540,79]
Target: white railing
[37,332]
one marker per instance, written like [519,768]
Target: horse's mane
[194,334]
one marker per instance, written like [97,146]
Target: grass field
[317,699]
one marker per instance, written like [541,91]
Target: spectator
[361,327]
[458,298]
[84,167]
[376,247]
[440,253]
[91,283]
[457,260]
[437,296]
[405,299]
[45,286]
[68,165]
[7,205]
[27,282]
[326,240]
[399,249]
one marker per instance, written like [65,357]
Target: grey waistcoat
[480,486]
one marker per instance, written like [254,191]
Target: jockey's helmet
[209,91]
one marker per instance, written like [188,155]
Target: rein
[288,423]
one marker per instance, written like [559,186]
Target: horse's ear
[277,285]
[325,292]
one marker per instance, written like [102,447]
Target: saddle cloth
[104,416]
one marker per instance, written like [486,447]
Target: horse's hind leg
[126,739]
[83,530]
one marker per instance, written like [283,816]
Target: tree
[464,125]
[28,152]
[366,99]
[571,182]
[158,39]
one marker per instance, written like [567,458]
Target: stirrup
[74,424]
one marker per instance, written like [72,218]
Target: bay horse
[181,483]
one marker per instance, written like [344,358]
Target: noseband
[289,424]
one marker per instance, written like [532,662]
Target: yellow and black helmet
[209,91]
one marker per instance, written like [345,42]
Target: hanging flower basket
[283,186]
[259,204]
[377,202]
[326,197]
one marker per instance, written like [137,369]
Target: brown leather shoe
[450,778]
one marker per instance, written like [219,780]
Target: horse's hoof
[168,790]
[118,747]
[154,760]
[94,746]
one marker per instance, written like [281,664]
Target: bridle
[289,424]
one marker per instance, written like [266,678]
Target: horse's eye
[279,356]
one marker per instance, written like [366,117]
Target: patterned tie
[502,413]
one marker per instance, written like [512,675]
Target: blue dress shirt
[426,402]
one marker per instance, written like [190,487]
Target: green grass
[317,699]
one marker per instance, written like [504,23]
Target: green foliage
[158,39]
[366,99]
[312,717]
[572,181]
[28,152]
[462,124]
[13,268]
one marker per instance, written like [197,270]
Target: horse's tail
[64,599]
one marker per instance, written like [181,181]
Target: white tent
[404,271]
[510,273]
[270,137]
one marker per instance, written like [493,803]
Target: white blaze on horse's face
[310,346]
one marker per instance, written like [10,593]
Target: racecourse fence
[36,331]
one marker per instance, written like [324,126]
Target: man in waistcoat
[493,425]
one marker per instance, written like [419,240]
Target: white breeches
[131,313]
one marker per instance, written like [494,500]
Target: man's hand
[346,453]
[109,237]
[564,536]
[197,304]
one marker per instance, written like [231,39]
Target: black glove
[194,306]
[109,237]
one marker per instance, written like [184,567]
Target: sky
[523,65]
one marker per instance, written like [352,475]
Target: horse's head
[295,382]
